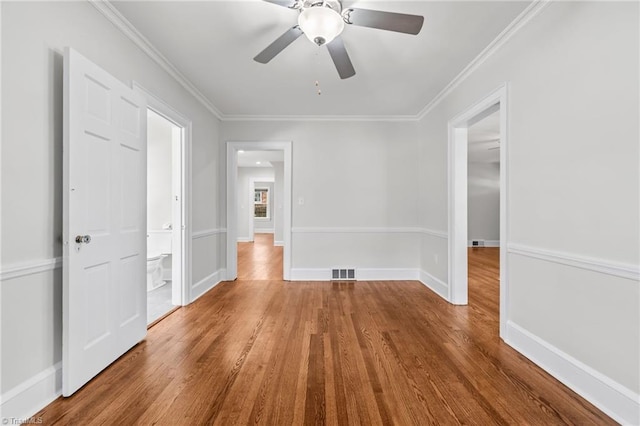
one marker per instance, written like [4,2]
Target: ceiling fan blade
[284,3]
[398,22]
[278,45]
[341,58]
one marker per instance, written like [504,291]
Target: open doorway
[179,182]
[164,139]
[260,187]
[164,213]
[461,130]
[483,210]
[259,205]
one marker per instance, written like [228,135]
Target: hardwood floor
[278,353]
[259,260]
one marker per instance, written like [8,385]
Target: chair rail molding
[616,269]
[207,233]
[30,268]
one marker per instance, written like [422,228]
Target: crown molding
[127,28]
[516,25]
[386,118]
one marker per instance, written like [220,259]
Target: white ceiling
[265,158]
[213,44]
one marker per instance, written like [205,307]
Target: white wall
[33,38]
[159,171]
[573,190]
[483,193]
[244,209]
[278,200]
[358,181]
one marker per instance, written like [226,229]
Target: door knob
[83,239]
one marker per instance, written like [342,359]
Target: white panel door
[104,270]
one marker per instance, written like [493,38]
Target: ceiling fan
[322,21]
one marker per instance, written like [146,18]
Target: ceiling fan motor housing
[331,4]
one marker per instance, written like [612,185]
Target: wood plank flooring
[259,260]
[265,351]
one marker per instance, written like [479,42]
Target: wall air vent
[343,274]
[477,243]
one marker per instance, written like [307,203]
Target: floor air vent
[343,274]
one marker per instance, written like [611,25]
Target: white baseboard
[309,274]
[387,274]
[207,283]
[487,243]
[614,399]
[435,284]
[278,243]
[362,274]
[32,395]
[263,231]
[244,240]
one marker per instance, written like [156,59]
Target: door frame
[180,292]
[457,189]
[232,199]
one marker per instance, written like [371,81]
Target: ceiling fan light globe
[320,24]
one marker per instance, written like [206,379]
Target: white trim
[244,240]
[159,231]
[602,266]
[30,268]
[278,243]
[353,230]
[315,118]
[516,25]
[128,29]
[264,231]
[487,243]
[434,233]
[232,149]
[206,284]
[182,232]
[310,274]
[206,233]
[30,396]
[614,399]
[457,180]
[362,274]
[437,285]
[387,274]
